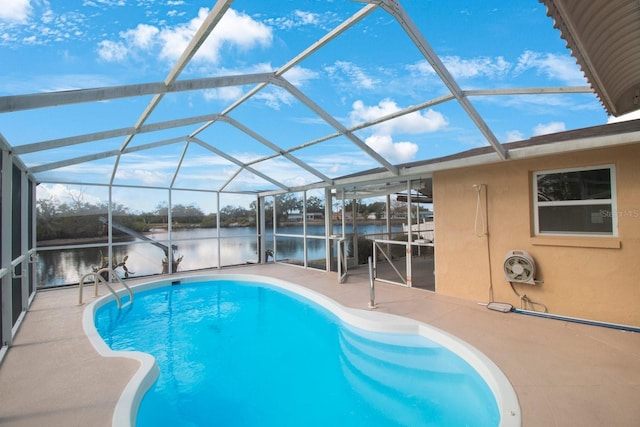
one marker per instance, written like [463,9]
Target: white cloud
[234,29]
[514,135]
[394,152]
[112,51]
[356,77]
[59,193]
[562,67]
[150,177]
[298,18]
[15,11]
[275,97]
[416,122]
[381,139]
[299,75]
[143,36]
[229,93]
[306,18]
[551,127]
[466,68]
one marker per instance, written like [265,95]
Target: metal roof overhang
[604,37]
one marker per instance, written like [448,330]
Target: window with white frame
[579,201]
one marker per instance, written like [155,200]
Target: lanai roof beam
[198,39]
[97,136]
[275,148]
[280,81]
[342,27]
[238,162]
[103,155]
[394,8]
[66,97]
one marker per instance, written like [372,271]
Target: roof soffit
[604,37]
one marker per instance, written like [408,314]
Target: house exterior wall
[595,278]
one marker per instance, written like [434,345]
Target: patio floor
[565,374]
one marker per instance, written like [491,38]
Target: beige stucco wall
[592,278]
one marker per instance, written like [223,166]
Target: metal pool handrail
[97,277]
[342,261]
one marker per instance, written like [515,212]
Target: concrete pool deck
[564,373]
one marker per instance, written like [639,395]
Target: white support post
[6,224]
[328,226]
[24,239]
[262,230]
[170,231]
[409,236]
[354,229]
[218,228]
[109,227]
[304,229]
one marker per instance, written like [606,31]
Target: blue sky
[371,70]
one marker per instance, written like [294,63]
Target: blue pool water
[236,353]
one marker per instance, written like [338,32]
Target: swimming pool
[246,350]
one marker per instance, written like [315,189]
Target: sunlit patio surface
[565,374]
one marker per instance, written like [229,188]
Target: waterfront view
[198,248]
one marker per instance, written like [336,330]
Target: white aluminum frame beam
[282,82]
[113,133]
[52,99]
[210,22]
[396,10]
[528,91]
[6,214]
[106,154]
[341,28]
[238,162]
[275,148]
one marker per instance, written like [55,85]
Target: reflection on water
[198,247]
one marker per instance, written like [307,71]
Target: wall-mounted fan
[519,267]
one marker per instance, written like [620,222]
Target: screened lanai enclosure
[238,132]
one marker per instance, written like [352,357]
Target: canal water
[198,249]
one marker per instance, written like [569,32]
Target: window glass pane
[577,185]
[576,219]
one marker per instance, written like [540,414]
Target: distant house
[294,217]
[315,216]
[311,216]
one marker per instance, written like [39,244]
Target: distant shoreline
[124,238]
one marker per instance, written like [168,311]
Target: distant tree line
[81,219]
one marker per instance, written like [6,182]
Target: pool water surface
[242,353]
